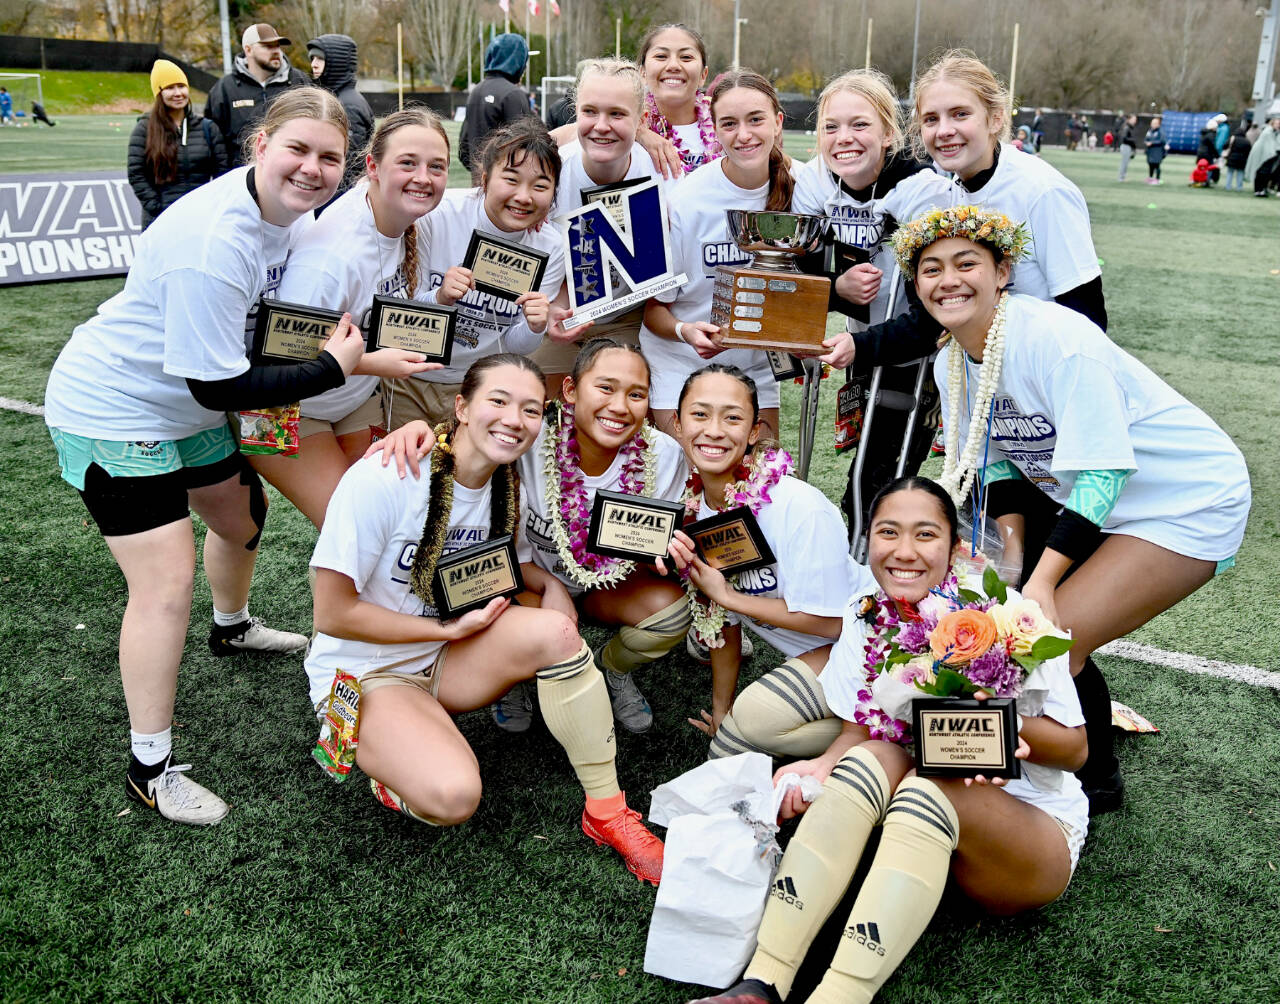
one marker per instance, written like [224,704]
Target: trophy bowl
[774,239]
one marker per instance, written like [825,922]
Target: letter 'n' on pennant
[625,229]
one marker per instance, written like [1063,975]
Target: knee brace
[257,501]
[648,641]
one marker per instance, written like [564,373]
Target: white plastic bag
[720,857]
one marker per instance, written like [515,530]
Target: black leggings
[1153,170]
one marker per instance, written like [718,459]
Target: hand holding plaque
[468,579]
[504,268]
[731,541]
[290,332]
[633,527]
[396,323]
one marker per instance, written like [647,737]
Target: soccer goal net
[23,88]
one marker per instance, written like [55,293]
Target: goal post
[24,88]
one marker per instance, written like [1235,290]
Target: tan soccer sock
[783,713]
[818,866]
[899,896]
[651,639]
[575,706]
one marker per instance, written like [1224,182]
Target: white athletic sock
[151,749]
[227,620]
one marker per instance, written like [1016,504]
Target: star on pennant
[585,224]
[585,247]
[586,289]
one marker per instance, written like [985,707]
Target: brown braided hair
[413,115]
[781,184]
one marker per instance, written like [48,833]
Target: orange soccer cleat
[641,851]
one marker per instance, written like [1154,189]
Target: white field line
[9,404]
[1123,649]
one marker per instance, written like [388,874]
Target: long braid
[410,263]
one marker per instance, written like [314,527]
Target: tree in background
[440,33]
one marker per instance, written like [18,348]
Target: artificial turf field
[308,890]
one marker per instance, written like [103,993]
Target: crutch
[894,401]
[809,412]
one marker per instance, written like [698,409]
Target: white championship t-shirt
[861,223]
[369,263]
[694,151]
[1029,190]
[1069,400]
[813,574]
[845,674]
[200,267]
[671,473]
[486,323]
[370,534]
[699,242]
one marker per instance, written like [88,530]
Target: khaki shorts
[368,414]
[559,357]
[405,399]
[1075,841]
[428,678]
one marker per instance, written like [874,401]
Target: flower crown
[970,222]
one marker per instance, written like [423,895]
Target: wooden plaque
[759,308]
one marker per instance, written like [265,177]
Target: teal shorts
[143,459]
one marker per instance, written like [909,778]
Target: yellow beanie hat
[165,74]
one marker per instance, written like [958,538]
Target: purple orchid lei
[569,504]
[711,148]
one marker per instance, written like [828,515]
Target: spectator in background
[172,149]
[1128,143]
[1263,165]
[6,106]
[1238,148]
[38,113]
[1155,143]
[498,98]
[1037,128]
[238,101]
[333,67]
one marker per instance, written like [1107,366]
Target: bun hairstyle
[619,69]
[587,356]
[781,184]
[414,115]
[299,103]
[913,483]
[515,142]
[960,66]
[878,91]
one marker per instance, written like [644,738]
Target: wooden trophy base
[759,308]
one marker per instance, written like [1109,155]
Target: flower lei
[711,148]
[973,223]
[958,472]
[566,496]
[504,506]
[750,487]
[885,621]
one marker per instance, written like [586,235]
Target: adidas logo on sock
[866,934]
[785,890]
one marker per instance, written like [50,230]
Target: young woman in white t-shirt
[519,169]
[609,99]
[864,182]
[406,169]
[136,406]
[596,440]
[795,603]
[1035,395]
[754,173]
[674,60]
[375,561]
[1010,845]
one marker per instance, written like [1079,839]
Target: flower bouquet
[955,642]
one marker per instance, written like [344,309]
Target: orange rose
[962,636]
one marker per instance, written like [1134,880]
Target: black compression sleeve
[1087,300]
[900,339]
[269,386]
[1074,536]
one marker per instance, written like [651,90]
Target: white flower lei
[957,474]
[616,569]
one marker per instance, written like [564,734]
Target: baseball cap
[261,33]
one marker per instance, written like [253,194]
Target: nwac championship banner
[83,225]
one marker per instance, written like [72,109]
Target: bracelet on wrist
[680,332]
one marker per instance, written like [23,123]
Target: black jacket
[1238,148]
[238,101]
[339,77]
[1208,147]
[202,156]
[494,102]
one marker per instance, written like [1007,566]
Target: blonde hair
[962,67]
[414,115]
[878,91]
[299,103]
[619,69]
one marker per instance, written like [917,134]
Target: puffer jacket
[237,102]
[202,156]
[339,77]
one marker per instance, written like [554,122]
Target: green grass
[308,891]
[88,92]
